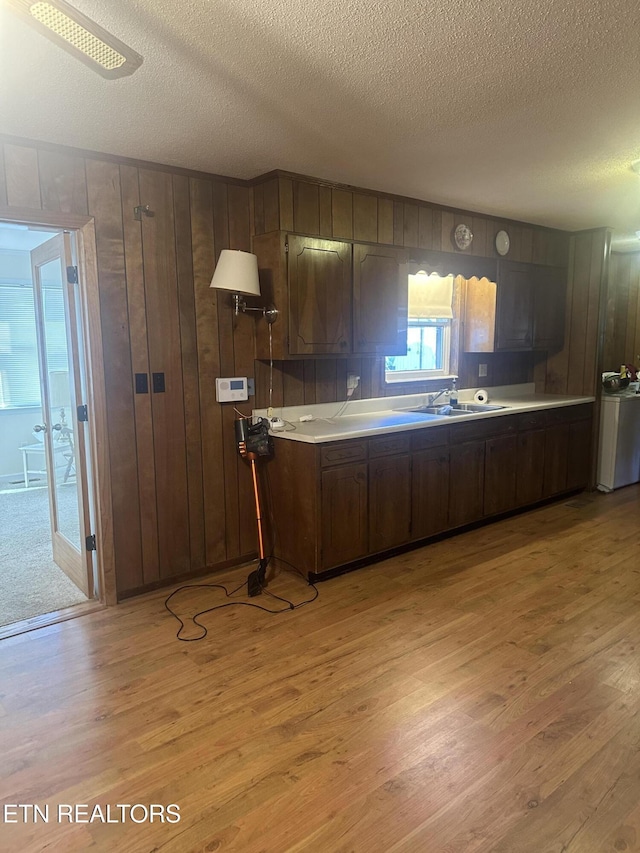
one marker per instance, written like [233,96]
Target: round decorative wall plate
[463,236]
[502,242]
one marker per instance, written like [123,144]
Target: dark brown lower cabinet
[341,502]
[529,466]
[555,460]
[500,459]
[430,492]
[579,454]
[466,483]
[344,521]
[389,502]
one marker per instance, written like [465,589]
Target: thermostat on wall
[231,389]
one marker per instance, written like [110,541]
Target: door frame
[98,433]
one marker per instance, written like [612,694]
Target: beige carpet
[30,582]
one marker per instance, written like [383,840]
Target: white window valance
[430,296]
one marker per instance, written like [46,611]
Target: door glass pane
[60,420]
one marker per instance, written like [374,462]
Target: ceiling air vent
[79,36]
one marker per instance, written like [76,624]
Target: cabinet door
[579,455]
[380,299]
[430,492]
[344,514]
[389,502]
[530,467]
[555,459]
[514,322]
[466,483]
[319,276]
[549,297]
[500,474]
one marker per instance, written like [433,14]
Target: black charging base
[256,580]
[254,587]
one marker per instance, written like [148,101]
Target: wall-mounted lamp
[238,272]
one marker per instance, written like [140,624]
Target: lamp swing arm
[238,272]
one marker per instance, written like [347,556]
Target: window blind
[430,297]
[19,373]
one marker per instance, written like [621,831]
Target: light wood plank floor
[481,694]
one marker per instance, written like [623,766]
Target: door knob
[40,428]
[57,426]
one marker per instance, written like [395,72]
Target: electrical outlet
[352,381]
[482,370]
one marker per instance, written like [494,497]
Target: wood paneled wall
[622,335]
[296,203]
[325,380]
[575,369]
[181,496]
[299,204]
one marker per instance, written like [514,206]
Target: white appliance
[619,452]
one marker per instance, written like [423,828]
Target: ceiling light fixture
[79,36]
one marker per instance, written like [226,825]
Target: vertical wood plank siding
[622,336]
[181,496]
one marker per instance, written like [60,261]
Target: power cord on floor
[290,605]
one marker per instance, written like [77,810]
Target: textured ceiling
[528,109]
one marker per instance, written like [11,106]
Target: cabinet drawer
[484,428]
[347,451]
[432,437]
[388,445]
[568,414]
[532,420]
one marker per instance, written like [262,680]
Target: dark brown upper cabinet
[333,297]
[379,301]
[523,310]
[319,283]
[514,323]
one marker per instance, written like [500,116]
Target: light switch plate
[482,370]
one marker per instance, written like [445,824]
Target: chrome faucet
[447,391]
[434,397]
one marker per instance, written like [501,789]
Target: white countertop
[382,415]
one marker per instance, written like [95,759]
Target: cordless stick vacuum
[254,441]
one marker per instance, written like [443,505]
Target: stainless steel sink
[448,411]
[477,407]
[443,411]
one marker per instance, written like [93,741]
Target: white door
[61,384]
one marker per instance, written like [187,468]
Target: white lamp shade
[238,272]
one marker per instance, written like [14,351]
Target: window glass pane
[426,348]
[19,374]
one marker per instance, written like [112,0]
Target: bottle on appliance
[453,396]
